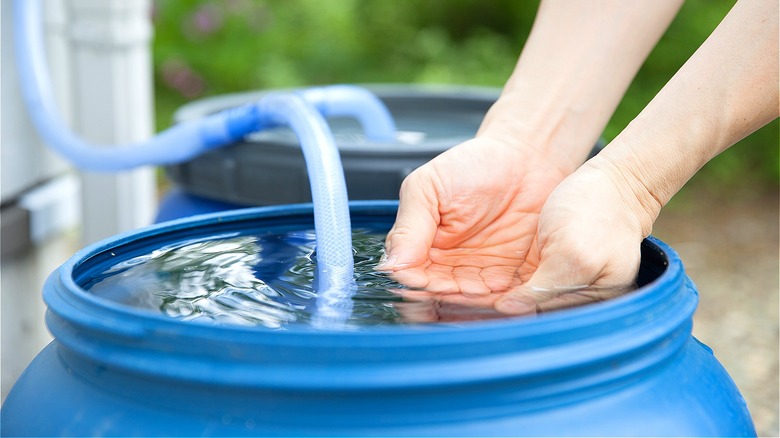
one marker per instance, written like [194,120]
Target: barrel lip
[110,332]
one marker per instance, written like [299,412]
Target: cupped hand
[590,232]
[420,306]
[467,220]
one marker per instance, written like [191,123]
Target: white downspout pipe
[112,104]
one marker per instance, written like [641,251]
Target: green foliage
[752,162]
[210,47]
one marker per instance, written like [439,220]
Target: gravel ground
[729,245]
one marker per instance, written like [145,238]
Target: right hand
[467,220]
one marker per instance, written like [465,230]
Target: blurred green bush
[209,47]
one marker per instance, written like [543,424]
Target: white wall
[99,58]
[111,81]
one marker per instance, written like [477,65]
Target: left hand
[590,232]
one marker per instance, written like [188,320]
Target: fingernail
[515,307]
[386,263]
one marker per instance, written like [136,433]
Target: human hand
[467,220]
[589,237]
[420,306]
[592,225]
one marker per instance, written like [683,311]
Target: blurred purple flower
[206,20]
[178,75]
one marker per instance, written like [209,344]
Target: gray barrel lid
[268,167]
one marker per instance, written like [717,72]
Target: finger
[441,279]
[409,240]
[470,281]
[415,277]
[431,277]
[500,278]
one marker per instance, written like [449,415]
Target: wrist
[651,165]
[661,150]
[642,206]
[544,127]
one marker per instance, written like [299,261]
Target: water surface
[264,280]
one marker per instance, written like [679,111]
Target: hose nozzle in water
[335,263]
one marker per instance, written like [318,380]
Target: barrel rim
[652,316]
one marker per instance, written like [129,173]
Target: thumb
[408,242]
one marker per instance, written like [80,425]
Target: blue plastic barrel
[177,203]
[626,366]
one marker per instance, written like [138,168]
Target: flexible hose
[355,102]
[335,280]
[180,142]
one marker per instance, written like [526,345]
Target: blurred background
[724,222]
[211,47]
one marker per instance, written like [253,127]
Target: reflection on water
[263,280]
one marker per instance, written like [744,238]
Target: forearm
[575,67]
[727,90]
